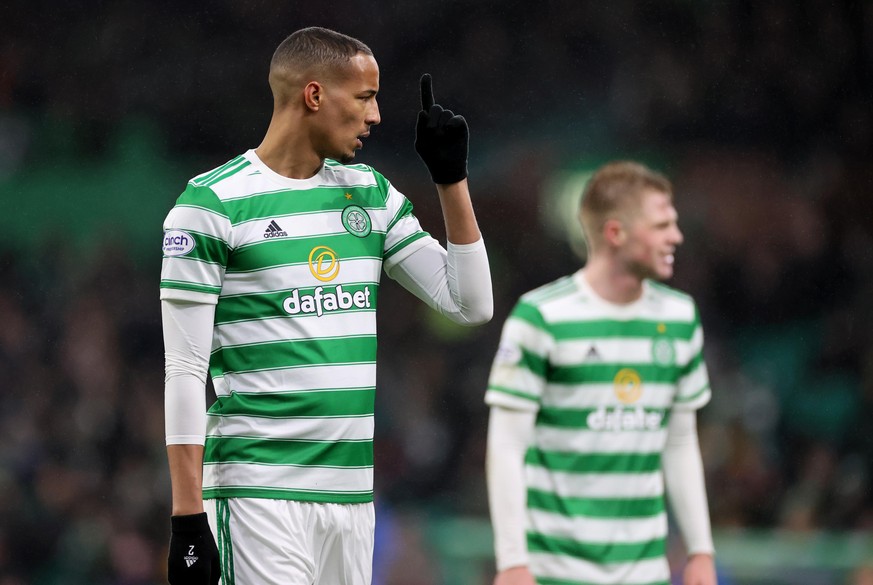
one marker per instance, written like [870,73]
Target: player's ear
[313,94]
[614,233]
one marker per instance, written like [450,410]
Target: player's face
[652,237]
[349,108]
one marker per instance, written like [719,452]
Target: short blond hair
[614,191]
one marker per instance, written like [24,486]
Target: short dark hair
[316,48]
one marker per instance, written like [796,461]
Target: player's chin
[347,157]
[664,272]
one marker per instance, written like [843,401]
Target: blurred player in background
[270,276]
[593,395]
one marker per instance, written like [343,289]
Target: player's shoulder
[674,301]
[222,173]
[551,292]
[353,175]
[227,181]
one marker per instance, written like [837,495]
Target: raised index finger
[426,92]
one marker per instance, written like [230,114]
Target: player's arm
[442,141]
[455,281]
[187,328]
[686,488]
[509,434]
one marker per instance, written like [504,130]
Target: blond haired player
[593,395]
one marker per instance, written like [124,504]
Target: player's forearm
[508,437]
[461,226]
[186,478]
[457,282]
[686,487]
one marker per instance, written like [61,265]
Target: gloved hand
[193,558]
[441,138]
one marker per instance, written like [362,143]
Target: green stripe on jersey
[329,496]
[209,175]
[316,403]
[207,249]
[556,581]
[405,210]
[596,507]
[606,329]
[201,197]
[530,314]
[577,418]
[291,202]
[192,286]
[268,305]
[289,354]
[404,243]
[289,452]
[595,462]
[610,552]
[289,251]
[605,373]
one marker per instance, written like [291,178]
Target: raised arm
[456,282]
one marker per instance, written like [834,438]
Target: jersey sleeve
[196,247]
[520,368]
[404,234]
[693,389]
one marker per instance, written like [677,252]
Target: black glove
[193,558]
[441,138]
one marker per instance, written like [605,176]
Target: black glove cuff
[189,523]
[447,175]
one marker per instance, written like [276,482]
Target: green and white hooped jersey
[603,379]
[293,267]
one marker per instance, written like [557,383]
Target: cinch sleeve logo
[177,243]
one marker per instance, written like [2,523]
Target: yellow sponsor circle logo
[628,385]
[323,263]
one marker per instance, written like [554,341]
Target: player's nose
[373,115]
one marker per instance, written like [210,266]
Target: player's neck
[611,282]
[287,152]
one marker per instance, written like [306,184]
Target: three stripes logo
[190,559]
[274,231]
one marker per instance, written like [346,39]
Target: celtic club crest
[356,221]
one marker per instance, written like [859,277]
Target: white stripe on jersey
[362,271]
[191,270]
[290,477]
[596,485]
[304,429]
[302,379]
[594,395]
[622,530]
[577,570]
[276,329]
[574,440]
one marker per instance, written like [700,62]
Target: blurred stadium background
[760,111]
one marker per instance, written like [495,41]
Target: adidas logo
[274,231]
[190,559]
[592,354]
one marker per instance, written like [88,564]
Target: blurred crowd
[759,112]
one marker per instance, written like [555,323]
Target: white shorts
[284,542]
